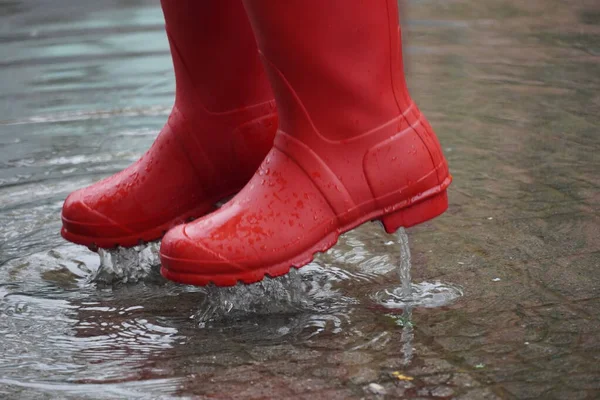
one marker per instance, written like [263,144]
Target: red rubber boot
[351,147]
[221,127]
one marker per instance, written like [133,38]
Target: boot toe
[81,220]
[183,254]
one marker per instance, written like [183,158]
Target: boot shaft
[345,115]
[337,63]
[217,67]
[224,115]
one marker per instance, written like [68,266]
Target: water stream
[410,295]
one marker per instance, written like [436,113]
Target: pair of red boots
[340,144]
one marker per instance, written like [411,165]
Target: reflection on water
[514,99]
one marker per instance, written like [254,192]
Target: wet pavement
[513,91]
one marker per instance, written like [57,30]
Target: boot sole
[414,211]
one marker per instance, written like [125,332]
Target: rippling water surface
[85,87]
[71,319]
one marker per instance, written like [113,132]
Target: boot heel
[416,213]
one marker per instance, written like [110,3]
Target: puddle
[514,100]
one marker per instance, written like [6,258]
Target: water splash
[299,290]
[306,290]
[128,265]
[281,295]
[410,295]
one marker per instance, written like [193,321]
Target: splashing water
[307,289]
[279,295]
[410,295]
[128,265]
